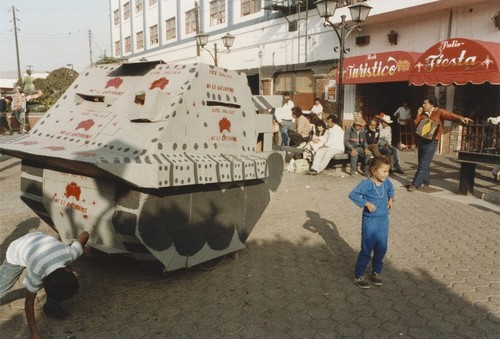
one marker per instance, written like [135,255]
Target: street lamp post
[359,13]
[227,41]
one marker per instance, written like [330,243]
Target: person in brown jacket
[302,131]
[427,147]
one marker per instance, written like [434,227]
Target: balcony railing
[481,138]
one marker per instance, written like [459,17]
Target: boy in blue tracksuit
[376,196]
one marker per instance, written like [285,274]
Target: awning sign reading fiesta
[379,67]
[458,61]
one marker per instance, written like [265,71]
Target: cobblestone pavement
[441,274]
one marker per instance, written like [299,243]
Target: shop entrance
[387,97]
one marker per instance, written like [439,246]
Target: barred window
[171,31]
[128,45]
[153,35]
[138,6]
[116,17]
[118,51]
[139,37]
[126,11]
[152,2]
[191,21]
[250,6]
[217,12]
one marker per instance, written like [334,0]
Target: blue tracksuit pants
[374,235]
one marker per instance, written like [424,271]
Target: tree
[53,86]
[108,60]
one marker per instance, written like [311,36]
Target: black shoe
[56,311]
[361,282]
[376,279]
[412,188]
[399,171]
[312,172]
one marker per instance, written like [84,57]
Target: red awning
[458,61]
[379,67]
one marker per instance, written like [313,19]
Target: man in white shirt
[46,262]
[403,114]
[334,144]
[317,108]
[284,117]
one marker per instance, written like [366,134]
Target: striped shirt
[41,254]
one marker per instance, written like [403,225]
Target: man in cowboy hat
[356,144]
[385,141]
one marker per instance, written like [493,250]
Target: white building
[284,46]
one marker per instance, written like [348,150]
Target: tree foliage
[53,86]
[108,60]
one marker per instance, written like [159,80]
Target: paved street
[441,274]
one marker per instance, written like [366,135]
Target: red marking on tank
[73,190]
[85,124]
[55,148]
[115,82]
[27,143]
[159,83]
[225,124]
[85,154]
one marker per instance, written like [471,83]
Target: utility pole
[197,24]
[90,46]
[19,78]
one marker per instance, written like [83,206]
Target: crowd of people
[321,138]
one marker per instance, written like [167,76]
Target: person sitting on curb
[303,128]
[46,262]
[334,144]
[384,143]
[356,145]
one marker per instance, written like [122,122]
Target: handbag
[427,129]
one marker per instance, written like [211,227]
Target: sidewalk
[441,274]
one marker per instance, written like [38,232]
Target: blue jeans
[374,236]
[8,276]
[287,124]
[426,150]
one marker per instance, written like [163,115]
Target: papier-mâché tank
[156,160]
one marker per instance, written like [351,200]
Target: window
[152,2]
[249,7]
[118,51]
[170,24]
[126,11]
[217,12]
[302,81]
[139,37]
[138,6]
[191,21]
[128,45]
[153,35]
[116,17]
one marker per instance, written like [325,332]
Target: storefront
[381,81]
[466,76]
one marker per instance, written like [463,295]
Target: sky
[53,34]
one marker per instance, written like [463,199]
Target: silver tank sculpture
[158,161]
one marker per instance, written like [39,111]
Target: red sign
[379,67]
[458,61]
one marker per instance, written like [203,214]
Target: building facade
[285,46]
